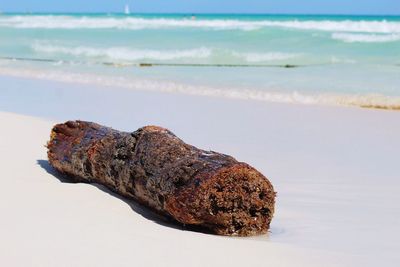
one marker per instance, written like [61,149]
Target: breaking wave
[264,57]
[130,54]
[137,23]
[363,100]
[366,38]
[123,53]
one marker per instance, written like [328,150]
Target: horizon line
[193,13]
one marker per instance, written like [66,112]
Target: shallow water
[347,60]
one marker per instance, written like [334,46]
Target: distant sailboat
[127,11]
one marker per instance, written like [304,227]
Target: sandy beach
[336,171]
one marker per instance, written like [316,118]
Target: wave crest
[366,38]
[264,57]
[130,54]
[131,23]
[123,53]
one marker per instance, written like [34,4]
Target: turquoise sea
[328,60]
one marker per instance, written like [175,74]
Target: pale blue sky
[387,7]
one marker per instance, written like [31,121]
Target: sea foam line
[365,101]
[130,23]
[123,53]
[365,38]
[130,54]
[253,57]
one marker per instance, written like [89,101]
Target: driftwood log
[157,169]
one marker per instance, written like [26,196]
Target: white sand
[336,171]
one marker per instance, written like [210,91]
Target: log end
[234,201]
[64,138]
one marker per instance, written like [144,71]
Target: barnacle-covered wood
[157,169]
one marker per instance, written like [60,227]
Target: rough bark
[157,169]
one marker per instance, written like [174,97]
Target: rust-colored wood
[157,169]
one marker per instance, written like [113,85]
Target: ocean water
[324,60]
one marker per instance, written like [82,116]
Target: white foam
[122,53]
[364,100]
[264,57]
[365,38]
[70,22]
[130,54]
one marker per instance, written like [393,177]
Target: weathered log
[157,169]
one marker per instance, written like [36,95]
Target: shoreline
[364,101]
